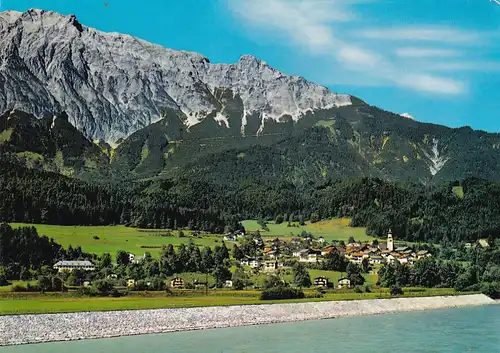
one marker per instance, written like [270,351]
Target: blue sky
[438,60]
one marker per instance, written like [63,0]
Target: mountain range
[89,104]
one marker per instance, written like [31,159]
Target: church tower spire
[390,241]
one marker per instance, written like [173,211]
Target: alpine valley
[109,115]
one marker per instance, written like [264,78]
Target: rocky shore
[24,329]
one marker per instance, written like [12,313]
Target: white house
[390,259]
[311,256]
[423,254]
[376,260]
[251,262]
[68,266]
[229,237]
[298,253]
[404,261]
[344,283]
[270,266]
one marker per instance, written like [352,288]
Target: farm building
[322,281]
[68,266]
[177,282]
[344,283]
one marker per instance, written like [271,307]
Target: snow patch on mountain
[221,119]
[407,115]
[436,160]
[53,125]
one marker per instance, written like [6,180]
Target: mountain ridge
[154,111]
[112,84]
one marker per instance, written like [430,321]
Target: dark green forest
[415,212]
[22,249]
[33,196]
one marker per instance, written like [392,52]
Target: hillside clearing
[333,229]
[115,238]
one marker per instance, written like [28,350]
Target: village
[278,255]
[275,255]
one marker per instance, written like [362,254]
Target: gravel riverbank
[23,329]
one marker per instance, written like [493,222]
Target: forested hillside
[33,196]
[454,212]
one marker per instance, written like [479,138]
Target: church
[389,245]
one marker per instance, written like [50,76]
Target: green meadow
[115,238]
[137,241]
[333,229]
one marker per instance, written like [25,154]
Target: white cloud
[415,52]
[423,34]
[431,84]
[479,66]
[317,27]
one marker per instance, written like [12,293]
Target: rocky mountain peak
[112,84]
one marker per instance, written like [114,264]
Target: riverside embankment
[23,329]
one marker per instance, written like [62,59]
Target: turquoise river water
[473,329]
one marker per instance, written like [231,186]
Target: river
[470,329]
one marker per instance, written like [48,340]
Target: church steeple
[390,241]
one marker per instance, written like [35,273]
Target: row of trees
[483,273]
[23,249]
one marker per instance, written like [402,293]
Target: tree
[122,258]
[221,254]
[105,261]
[237,253]
[263,224]
[353,273]
[44,283]
[25,274]
[207,260]
[3,276]
[492,274]
[221,274]
[104,287]
[301,276]
[396,290]
[273,281]
[76,277]
[466,279]
[351,240]
[157,284]
[314,217]
[168,261]
[240,279]
[425,273]
[57,284]
[365,264]
[386,275]
[301,220]
[279,219]
[334,261]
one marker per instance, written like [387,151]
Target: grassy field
[459,191]
[334,229]
[114,238]
[37,304]
[334,276]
